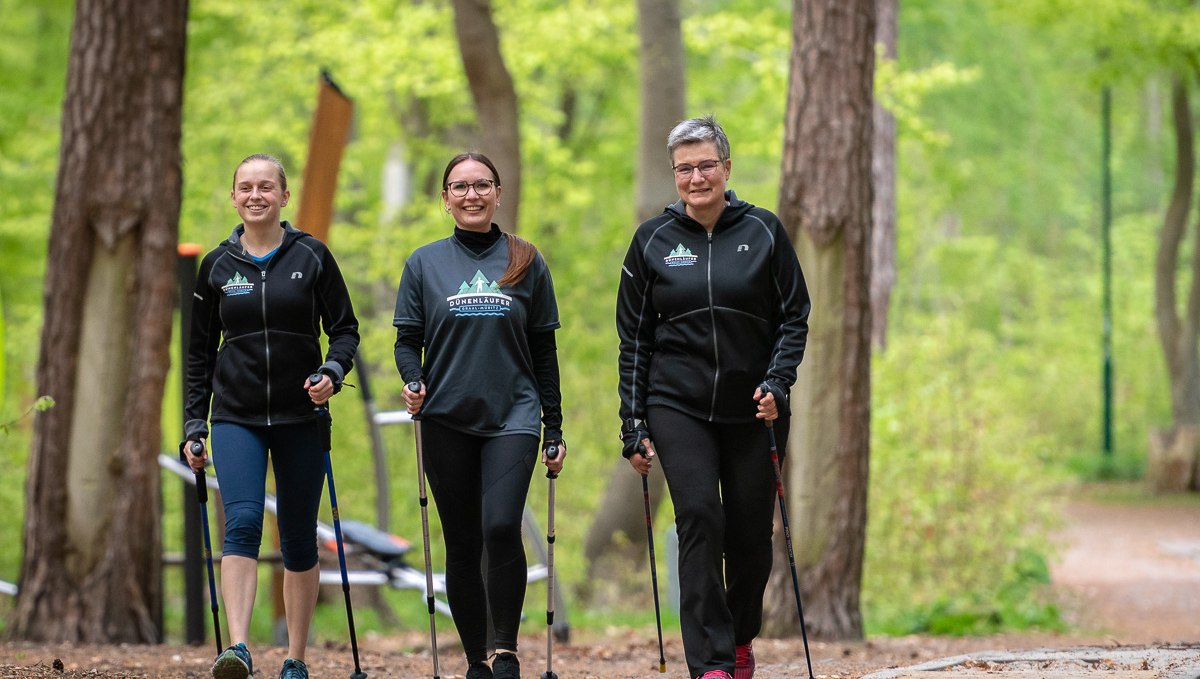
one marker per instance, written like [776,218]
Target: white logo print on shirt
[479,298]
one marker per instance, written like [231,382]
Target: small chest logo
[479,297]
[680,256]
[238,285]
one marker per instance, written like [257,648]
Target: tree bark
[495,100]
[1178,335]
[663,100]
[826,203]
[91,564]
[616,540]
[883,173]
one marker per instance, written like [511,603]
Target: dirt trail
[1132,572]
[1129,575]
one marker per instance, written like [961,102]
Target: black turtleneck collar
[475,241]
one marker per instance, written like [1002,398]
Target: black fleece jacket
[703,319]
[256,332]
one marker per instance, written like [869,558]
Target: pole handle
[766,390]
[201,486]
[551,451]
[415,387]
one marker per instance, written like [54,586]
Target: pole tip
[549,675]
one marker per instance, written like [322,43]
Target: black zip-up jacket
[267,323]
[704,318]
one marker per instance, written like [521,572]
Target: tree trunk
[91,566]
[495,100]
[826,203]
[883,173]
[1178,335]
[616,540]
[663,100]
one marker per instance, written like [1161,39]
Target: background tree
[91,559]
[618,532]
[1174,449]
[883,177]
[495,100]
[987,394]
[1141,42]
[825,199]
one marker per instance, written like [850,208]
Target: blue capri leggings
[240,455]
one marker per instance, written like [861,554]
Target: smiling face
[471,212]
[258,193]
[703,194]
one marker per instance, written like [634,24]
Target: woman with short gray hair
[712,314]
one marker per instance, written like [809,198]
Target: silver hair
[695,130]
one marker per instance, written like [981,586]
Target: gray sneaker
[293,669]
[233,663]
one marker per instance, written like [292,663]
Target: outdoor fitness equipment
[551,453]
[662,659]
[202,497]
[325,429]
[415,387]
[787,534]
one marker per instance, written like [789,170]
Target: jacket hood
[734,211]
[290,234]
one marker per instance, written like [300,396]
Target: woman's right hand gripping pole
[637,447]
[414,397]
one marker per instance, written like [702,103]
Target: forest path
[1131,571]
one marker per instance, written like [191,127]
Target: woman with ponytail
[475,321]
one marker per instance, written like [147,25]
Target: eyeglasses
[482,187]
[706,167]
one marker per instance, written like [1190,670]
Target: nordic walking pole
[202,496]
[662,659]
[787,534]
[324,431]
[415,387]
[551,453]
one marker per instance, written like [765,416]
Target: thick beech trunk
[825,199]
[91,561]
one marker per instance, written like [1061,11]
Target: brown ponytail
[521,254]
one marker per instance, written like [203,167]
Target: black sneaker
[479,670]
[233,663]
[506,666]
[293,669]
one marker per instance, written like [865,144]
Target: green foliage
[987,396]
[41,405]
[1020,602]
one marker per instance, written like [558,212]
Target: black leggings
[722,485]
[479,485]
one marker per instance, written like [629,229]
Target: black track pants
[722,485]
[479,486]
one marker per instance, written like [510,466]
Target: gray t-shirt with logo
[478,369]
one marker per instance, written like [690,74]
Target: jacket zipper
[267,341]
[712,315]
